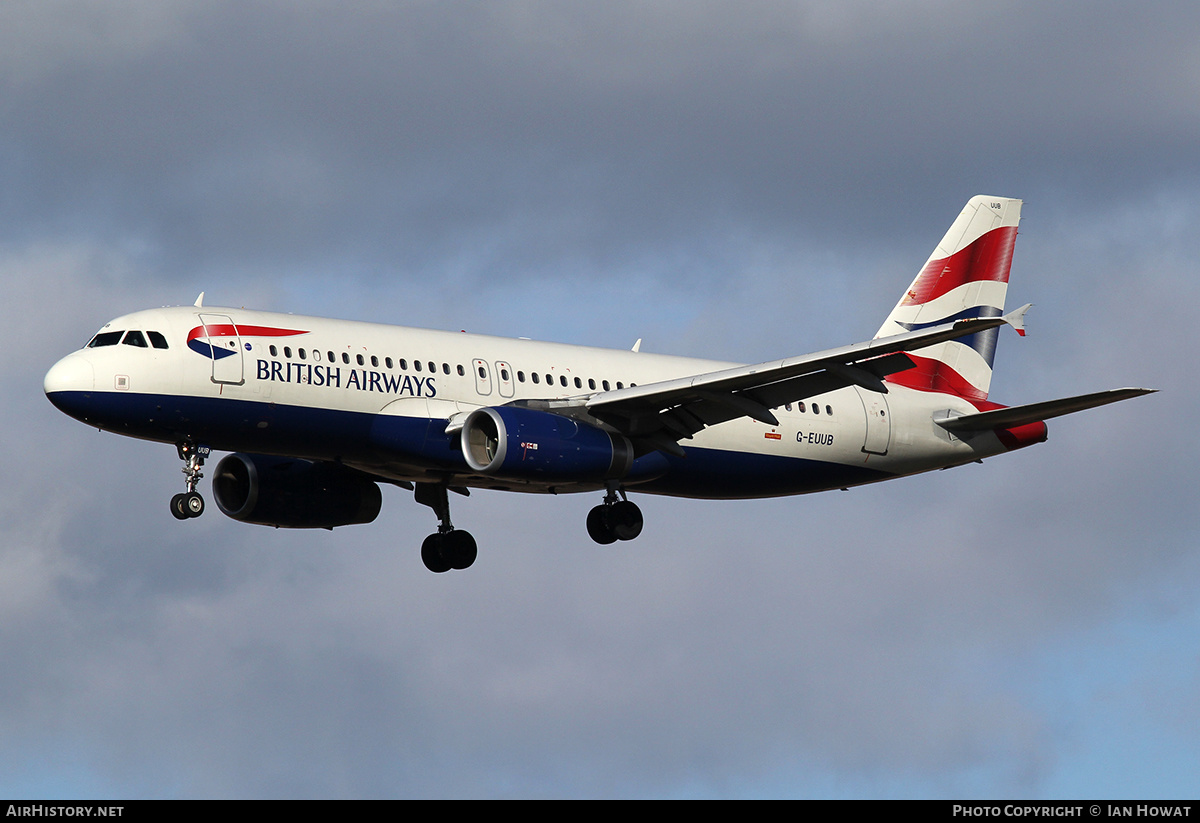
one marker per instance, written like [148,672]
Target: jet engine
[527,444]
[293,494]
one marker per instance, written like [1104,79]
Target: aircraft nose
[71,374]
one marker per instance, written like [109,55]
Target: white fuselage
[380,398]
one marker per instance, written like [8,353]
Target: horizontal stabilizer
[1034,412]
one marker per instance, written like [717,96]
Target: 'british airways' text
[314,374]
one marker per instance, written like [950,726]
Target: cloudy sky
[732,180]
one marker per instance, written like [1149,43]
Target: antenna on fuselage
[199,301]
[637,345]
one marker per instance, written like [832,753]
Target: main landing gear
[614,519]
[190,503]
[447,548]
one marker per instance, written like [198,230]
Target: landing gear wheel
[431,554]
[626,520]
[193,504]
[598,526]
[177,507]
[459,549]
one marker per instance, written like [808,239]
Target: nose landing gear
[614,519]
[190,503]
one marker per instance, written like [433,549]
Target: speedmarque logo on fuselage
[219,330]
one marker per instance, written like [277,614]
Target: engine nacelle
[527,444]
[293,494]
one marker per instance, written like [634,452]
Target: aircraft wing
[663,413]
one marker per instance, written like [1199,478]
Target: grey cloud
[228,133]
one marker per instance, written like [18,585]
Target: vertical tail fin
[966,276]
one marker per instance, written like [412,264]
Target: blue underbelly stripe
[258,427]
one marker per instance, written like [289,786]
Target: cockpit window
[135,338]
[105,338]
[157,340]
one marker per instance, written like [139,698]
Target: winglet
[199,301]
[1016,318]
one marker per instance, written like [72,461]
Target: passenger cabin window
[359,358]
[387,361]
[287,352]
[135,338]
[300,352]
[157,340]
[461,371]
[535,377]
[445,368]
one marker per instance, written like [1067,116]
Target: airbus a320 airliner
[318,412]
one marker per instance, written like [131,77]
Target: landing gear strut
[190,503]
[447,548]
[614,519]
